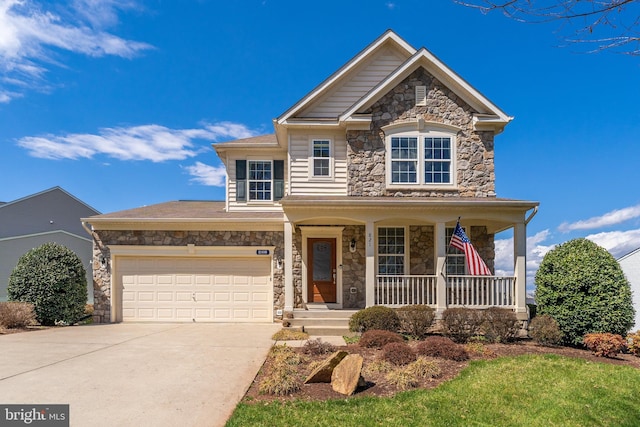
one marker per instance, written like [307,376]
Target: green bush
[500,324]
[16,314]
[416,320]
[52,278]
[460,324]
[443,348]
[375,338]
[584,289]
[544,330]
[375,317]
[398,353]
[604,344]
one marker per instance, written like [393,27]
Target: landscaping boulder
[322,374]
[347,376]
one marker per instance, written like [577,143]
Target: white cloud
[610,218]
[146,142]
[31,38]
[207,175]
[618,243]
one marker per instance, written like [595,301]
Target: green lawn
[528,390]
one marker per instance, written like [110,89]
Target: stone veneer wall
[102,239]
[366,150]
[354,267]
[421,250]
[484,243]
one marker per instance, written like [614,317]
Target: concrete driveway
[135,374]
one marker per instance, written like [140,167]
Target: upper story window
[421,159]
[259,180]
[321,158]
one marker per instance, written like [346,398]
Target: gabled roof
[52,189]
[388,37]
[629,255]
[424,58]
[262,141]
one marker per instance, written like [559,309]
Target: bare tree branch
[606,24]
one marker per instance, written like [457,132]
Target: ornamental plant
[375,317]
[583,288]
[53,279]
[605,344]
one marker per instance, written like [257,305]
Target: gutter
[530,217]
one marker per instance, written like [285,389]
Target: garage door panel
[200,289]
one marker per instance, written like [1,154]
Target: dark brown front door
[321,271]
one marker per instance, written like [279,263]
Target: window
[404,160]
[455,257]
[259,180]
[321,158]
[391,250]
[421,159]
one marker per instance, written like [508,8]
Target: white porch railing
[405,290]
[481,291]
[462,291]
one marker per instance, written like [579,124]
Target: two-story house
[351,202]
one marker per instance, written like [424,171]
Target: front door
[321,271]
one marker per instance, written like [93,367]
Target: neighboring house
[630,264]
[52,215]
[350,203]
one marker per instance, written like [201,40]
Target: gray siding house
[630,264]
[52,215]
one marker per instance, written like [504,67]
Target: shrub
[409,375]
[544,330]
[423,368]
[282,377]
[604,344]
[375,317]
[460,324]
[633,343]
[500,324]
[402,379]
[416,320]
[376,338]
[441,347]
[479,349]
[318,347]
[398,353]
[52,278]
[584,289]
[289,335]
[16,314]
[378,366]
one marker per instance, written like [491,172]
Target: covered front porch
[356,252]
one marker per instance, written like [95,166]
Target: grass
[531,390]
[289,335]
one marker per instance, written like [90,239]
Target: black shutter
[241,180]
[278,179]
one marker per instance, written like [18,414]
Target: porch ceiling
[494,213]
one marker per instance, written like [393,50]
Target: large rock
[347,376]
[322,374]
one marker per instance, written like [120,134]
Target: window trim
[454,252]
[249,180]
[405,260]
[312,159]
[421,135]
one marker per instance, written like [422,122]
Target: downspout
[535,211]
[84,225]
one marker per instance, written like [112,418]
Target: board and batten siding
[251,206]
[363,80]
[302,182]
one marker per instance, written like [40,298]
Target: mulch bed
[378,386]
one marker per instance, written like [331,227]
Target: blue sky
[119,101]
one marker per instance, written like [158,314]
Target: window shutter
[421,96]
[241,180]
[278,179]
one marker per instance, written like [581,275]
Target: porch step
[322,321]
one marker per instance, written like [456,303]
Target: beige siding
[357,85]
[302,183]
[252,206]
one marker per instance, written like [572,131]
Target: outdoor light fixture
[103,260]
[352,245]
[279,263]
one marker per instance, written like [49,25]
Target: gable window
[259,180]
[321,158]
[422,158]
[455,257]
[391,250]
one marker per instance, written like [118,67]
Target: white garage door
[195,289]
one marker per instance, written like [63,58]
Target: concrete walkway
[135,374]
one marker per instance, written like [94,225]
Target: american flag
[475,264]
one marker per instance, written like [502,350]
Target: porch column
[520,269]
[370,267]
[288,266]
[441,258]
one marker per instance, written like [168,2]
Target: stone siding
[353,267]
[102,239]
[484,243]
[366,149]
[421,250]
